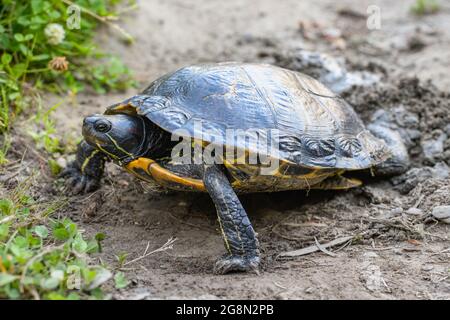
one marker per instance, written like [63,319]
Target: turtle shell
[287,115]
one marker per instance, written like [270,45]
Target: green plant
[422,7]
[5,144]
[42,257]
[40,51]
[45,134]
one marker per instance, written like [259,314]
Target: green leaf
[41,231]
[97,278]
[6,278]
[28,37]
[54,15]
[6,58]
[24,21]
[6,206]
[100,236]
[79,244]
[19,69]
[4,231]
[55,168]
[61,234]
[50,283]
[37,6]
[19,37]
[120,280]
[23,48]
[40,57]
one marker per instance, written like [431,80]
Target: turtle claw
[233,263]
[79,183]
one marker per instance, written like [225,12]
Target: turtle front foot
[233,263]
[79,183]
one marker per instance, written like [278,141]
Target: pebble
[61,162]
[396,211]
[427,267]
[447,129]
[434,148]
[309,290]
[442,213]
[414,211]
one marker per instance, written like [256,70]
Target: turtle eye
[102,125]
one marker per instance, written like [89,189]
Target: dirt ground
[398,251]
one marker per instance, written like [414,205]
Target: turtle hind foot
[235,263]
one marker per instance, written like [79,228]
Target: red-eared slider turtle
[287,118]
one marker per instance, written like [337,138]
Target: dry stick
[314,248]
[168,245]
[323,249]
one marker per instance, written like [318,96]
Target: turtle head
[119,136]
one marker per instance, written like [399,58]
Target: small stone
[396,211]
[370,255]
[414,211]
[332,33]
[442,213]
[432,149]
[61,162]
[309,290]
[447,129]
[123,183]
[427,267]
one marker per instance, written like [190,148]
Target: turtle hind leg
[399,162]
[237,231]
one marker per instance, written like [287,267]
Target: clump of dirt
[419,110]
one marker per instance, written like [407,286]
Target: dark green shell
[314,127]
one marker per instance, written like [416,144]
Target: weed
[423,7]
[42,257]
[40,51]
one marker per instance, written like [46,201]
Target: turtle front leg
[84,173]
[237,231]
[399,162]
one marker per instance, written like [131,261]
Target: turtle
[231,128]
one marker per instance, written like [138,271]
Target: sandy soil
[397,253]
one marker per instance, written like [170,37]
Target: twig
[440,252]
[314,248]
[279,285]
[323,249]
[168,245]
[8,218]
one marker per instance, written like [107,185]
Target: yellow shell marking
[162,175]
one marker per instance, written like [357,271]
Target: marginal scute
[291,145]
[318,147]
[177,116]
[148,104]
[295,170]
[349,146]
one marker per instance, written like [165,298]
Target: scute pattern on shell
[349,146]
[313,126]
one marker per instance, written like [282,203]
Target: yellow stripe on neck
[162,175]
